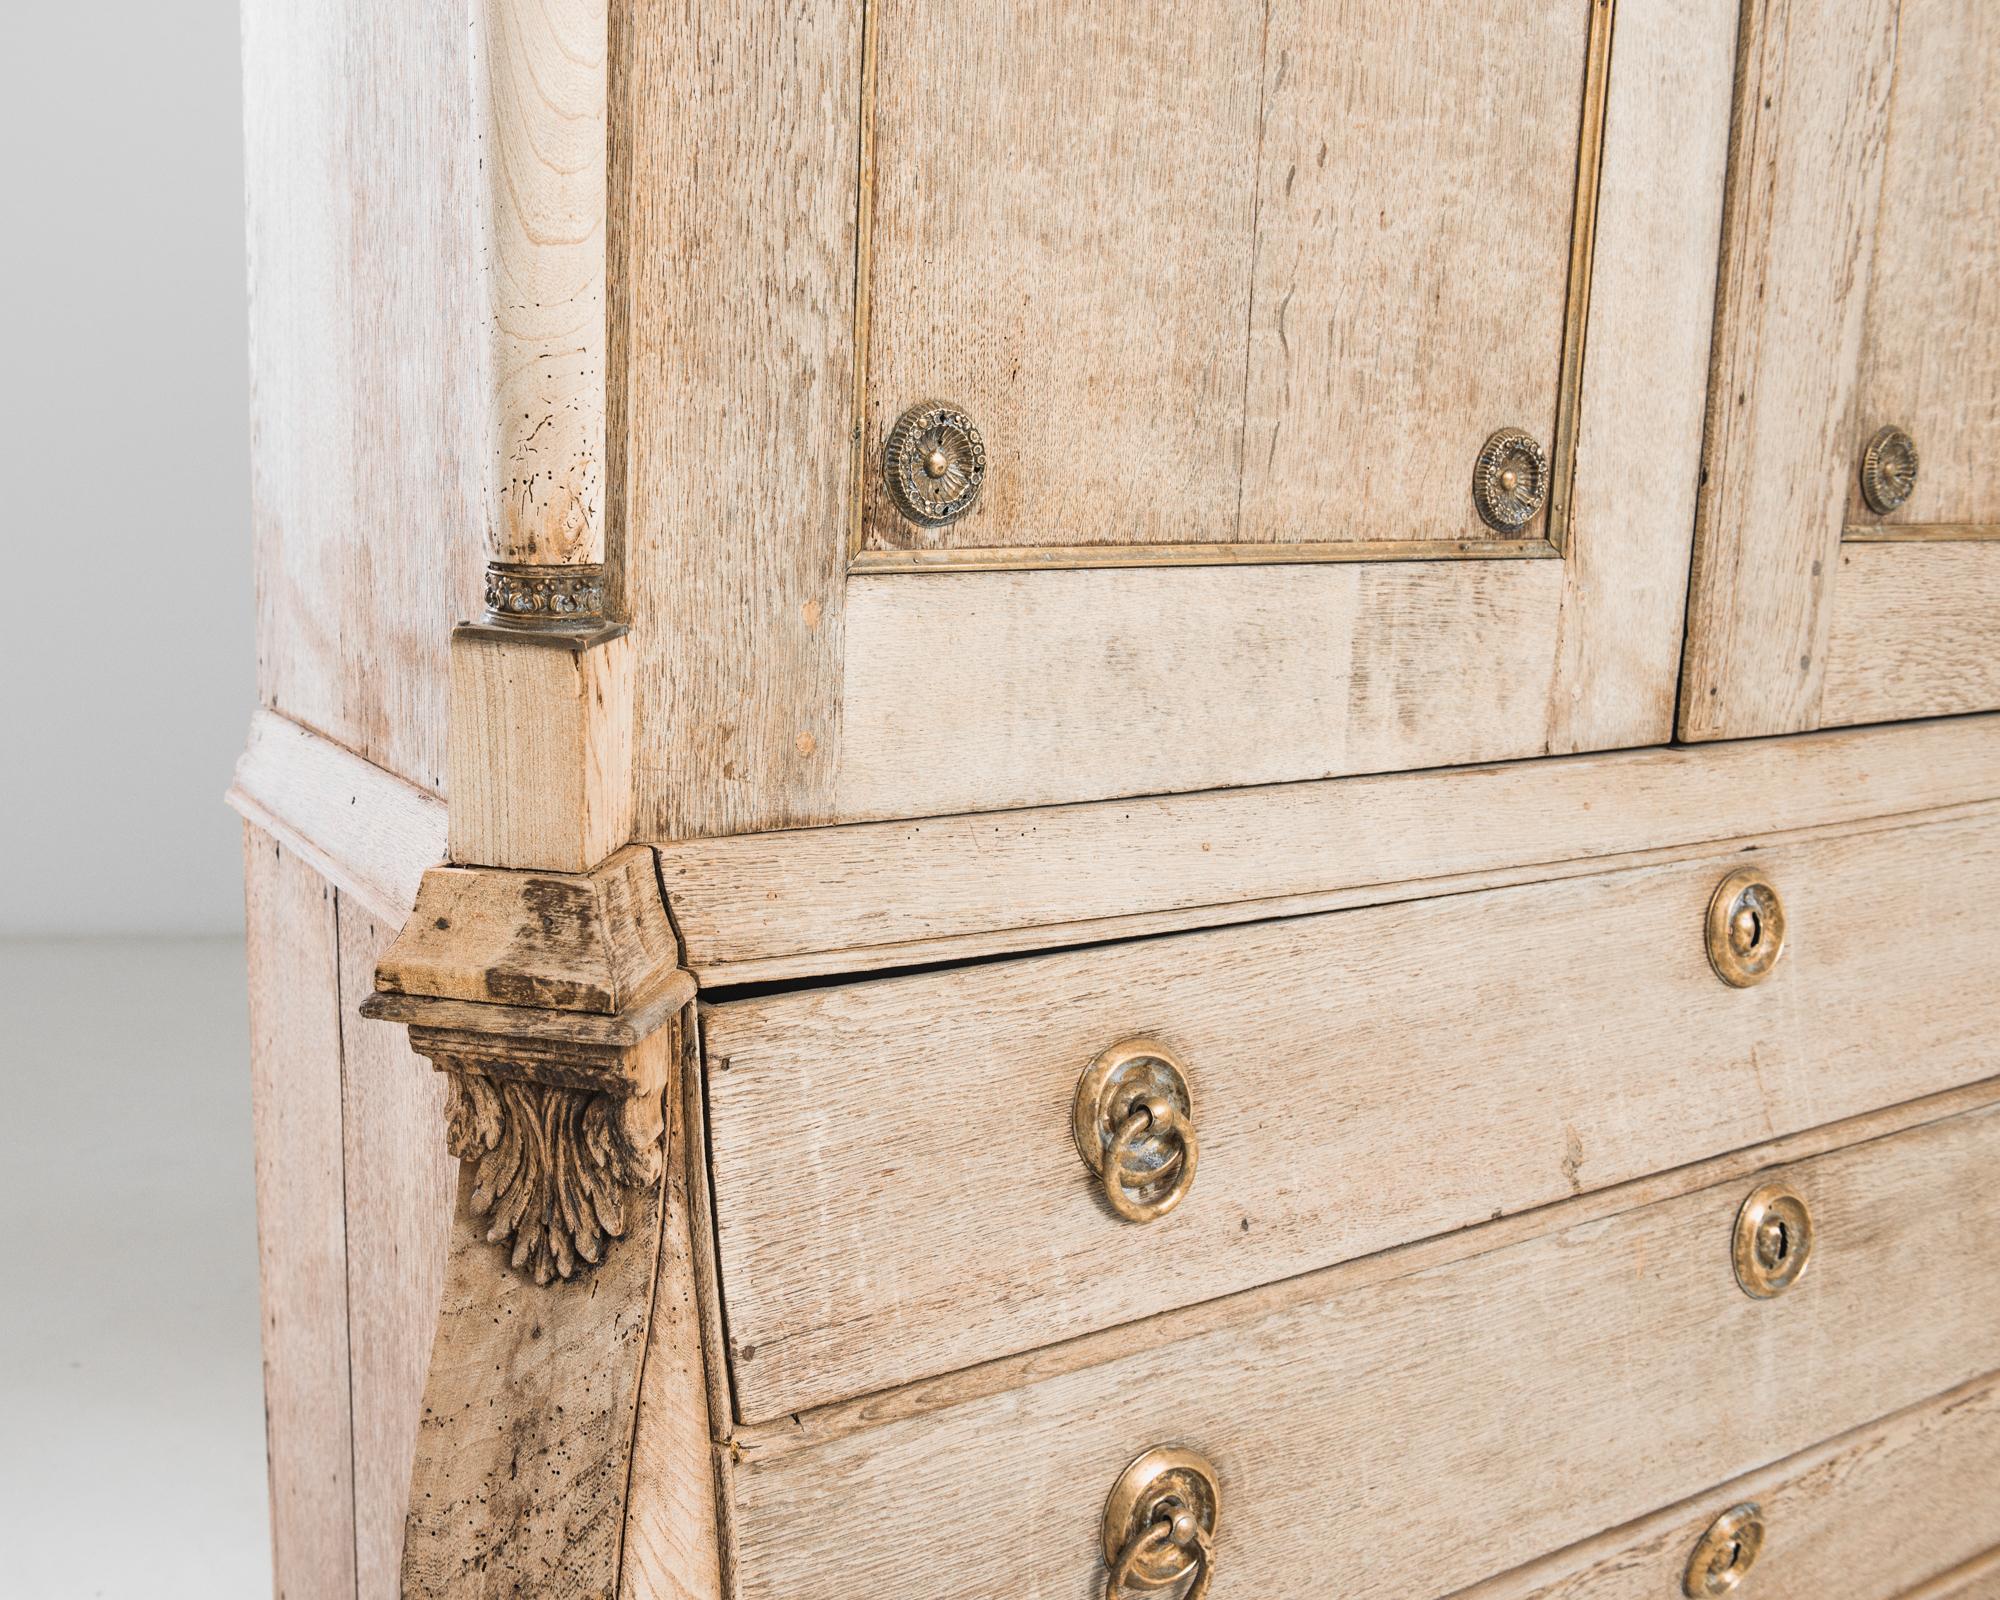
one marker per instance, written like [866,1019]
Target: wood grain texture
[360,827]
[1062,212]
[840,899]
[740,237]
[1645,364]
[295,1079]
[400,1185]
[802,700]
[368,401]
[1860,1516]
[1977,1579]
[541,74]
[1915,632]
[1930,353]
[672,1546]
[968,691]
[597,943]
[541,750]
[1570,1381]
[1798,247]
[1413,222]
[525,1449]
[1359,1081]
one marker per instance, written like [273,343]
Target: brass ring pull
[1133,1121]
[1159,1525]
[1155,1542]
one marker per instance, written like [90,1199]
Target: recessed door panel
[1224,281]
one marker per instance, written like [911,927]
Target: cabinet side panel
[301,1230]
[367,422]
[401,1186]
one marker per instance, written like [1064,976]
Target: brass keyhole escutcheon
[1725,1553]
[1159,1523]
[1133,1122]
[1510,480]
[1746,928]
[1774,1240]
[934,463]
[1888,470]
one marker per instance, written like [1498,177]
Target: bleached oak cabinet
[1113,755]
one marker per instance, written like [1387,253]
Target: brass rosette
[1888,470]
[1510,480]
[934,463]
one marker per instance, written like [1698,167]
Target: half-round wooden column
[540,81]
[540,761]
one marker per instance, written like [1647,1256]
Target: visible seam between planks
[1140,927]
[1256,259]
[618,1589]
[346,1249]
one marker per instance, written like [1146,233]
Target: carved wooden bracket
[544,996]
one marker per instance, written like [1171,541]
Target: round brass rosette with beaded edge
[1888,470]
[934,463]
[1510,480]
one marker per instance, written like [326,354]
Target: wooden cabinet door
[1859,313]
[1234,293]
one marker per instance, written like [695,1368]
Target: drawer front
[1404,1435]
[1978,1579]
[899,1193]
[1914,1496]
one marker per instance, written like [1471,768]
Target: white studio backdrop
[127,654]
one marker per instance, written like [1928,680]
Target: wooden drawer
[1910,1499]
[1401,1432]
[898,1194]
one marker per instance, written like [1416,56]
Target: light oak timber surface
[525,1449]
[827,900]
[1359,1080]
[1568,1381]
[541,749]
[295,1081]
[1378,293]
[368,833]
[1977,1579]
[965,691]
[1086,296]
[671,1543]
[1915,631]
[540,86]
[1651,305]
[369,402]
[536,940]
[399,1183]
[1798,246]
[805,699]
[808,1429]
[739,387]
[1860,1517]
[1930,354]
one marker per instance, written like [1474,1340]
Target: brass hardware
[1888,470]
[1133,1121]
[1773,1242]
[1510,480]
[1159,1523]
[1725,1553]
[1746,928]
[934,463]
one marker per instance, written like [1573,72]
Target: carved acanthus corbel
[552,1147]
[546,999]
